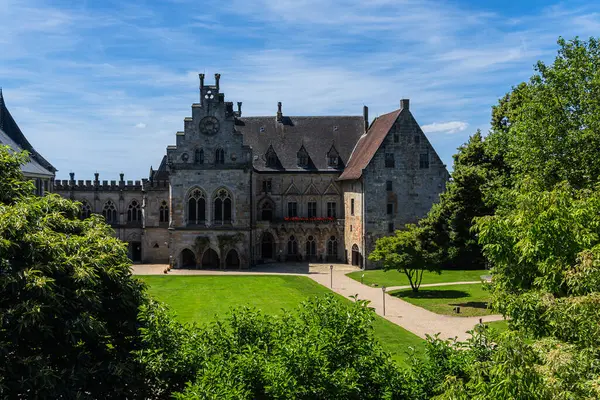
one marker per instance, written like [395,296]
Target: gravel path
[410,317]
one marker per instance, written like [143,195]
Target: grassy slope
[472,299]
[204,298]
[395,278]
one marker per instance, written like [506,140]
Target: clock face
[209,126]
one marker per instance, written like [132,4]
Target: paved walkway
[390,288]
[410,317]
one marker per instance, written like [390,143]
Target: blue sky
[104,85]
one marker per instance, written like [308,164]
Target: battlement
[92,185]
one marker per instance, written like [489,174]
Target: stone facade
[234,192]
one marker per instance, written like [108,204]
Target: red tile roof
[368,144]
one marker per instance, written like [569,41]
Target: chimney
[366,117]
[121,175]
[72,175]
[217,77]
[201,76]
[239,104]
[404,103]
[279,113]
[96,175]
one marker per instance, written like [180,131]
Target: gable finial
[279,113]
[217,78]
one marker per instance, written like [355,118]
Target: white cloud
[445,127]
[140,125]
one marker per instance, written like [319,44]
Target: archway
[267,246]
[210,259]
[188,259]
[232,260]
[356,259]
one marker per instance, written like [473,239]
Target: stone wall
[413,189]
[353,223]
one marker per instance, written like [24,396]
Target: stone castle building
[237,191]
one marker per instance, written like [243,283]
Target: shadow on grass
[432,294]
[472,304]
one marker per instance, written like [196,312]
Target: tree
[549,127]
[408,251]
[477,174]
[68,302]
[324,350]
[545,248]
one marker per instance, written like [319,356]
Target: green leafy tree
[68,302]
[326,350]
[408,251]
[549,127]
[545,248]
[477,175]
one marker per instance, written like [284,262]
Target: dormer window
[271,158]
[333,158]
[302,157]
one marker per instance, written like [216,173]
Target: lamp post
[331,276]
[383,291]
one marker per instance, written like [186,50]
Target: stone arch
[85,210]
[232,260]
[210,259]
[187,259]
[195,206]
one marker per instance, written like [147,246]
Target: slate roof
[316,134]
[32,167]
[368,144]
[161,174]
[12,130]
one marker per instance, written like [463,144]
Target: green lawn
[498,326]
[395,278]
[472,299]
[204,298]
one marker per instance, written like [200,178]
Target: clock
[209,125]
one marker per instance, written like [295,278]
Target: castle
[238,191]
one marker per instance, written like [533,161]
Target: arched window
[163,213]
[109,212]
[332,246]
[199,156]
[292,246]
[222,202]
[86,210]
[311,246]
[266,211]
[219,156]
[134,212]
[196,207]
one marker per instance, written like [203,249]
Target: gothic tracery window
[109,212]
[219,156]
[196,207]
[292,246]
[134,212]
[163,212]
[266,212]
[199,156]
[86,211]
[332,246]
[311,246]
[222,204]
